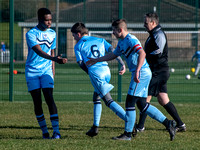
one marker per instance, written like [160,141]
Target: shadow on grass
[81,128]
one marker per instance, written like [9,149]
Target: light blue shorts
[140,89]
[39,80]
[100,78]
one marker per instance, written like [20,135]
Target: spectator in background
[197,56]
[3,47]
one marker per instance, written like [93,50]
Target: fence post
[119,66]
[196,23]
[11,48]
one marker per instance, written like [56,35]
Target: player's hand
[122,70]
[91,61]
[60,60]
[136,77]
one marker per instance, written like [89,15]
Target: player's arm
[120,61]
[140,62]
[83,66]
[53,62]
[43,54]
[108,57]
[193,56]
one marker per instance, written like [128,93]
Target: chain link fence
[179,18]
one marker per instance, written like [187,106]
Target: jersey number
[95,51]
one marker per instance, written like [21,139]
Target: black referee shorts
[158,83]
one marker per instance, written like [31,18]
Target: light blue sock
[118,110]
[42,123]
[97,113]
[130,117]
[156,114]
[55,123]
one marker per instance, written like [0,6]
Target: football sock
[156,114]
[130,119]
[97,112]
[118,110]
[171,109]
[55,123]
[141,120]
[42,123]
[166,123]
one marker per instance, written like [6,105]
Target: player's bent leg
[154,113]
[116,108]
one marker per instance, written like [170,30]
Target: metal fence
[179,18]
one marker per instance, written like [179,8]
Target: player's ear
[79,34]
[120,30]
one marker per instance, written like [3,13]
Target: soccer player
[197,56]
[40,70]
[131,48]
[89,46]
[156,49]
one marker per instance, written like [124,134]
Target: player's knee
[107,99]
[96,98]
[130,101]
[142,104]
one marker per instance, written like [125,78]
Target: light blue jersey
[38,70]
[129,47]
[99,73]
[197,56]
[47,41]
[91,47]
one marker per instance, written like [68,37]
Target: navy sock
[141,120]
[55,123]
[42,123]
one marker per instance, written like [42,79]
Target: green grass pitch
[73,95]
[19,129]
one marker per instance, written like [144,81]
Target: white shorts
[39,80]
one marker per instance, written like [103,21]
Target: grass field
[19,129]
[73,95]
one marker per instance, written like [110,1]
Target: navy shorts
[158,83]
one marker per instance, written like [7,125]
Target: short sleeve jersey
[47,41]
[197,53]
[129,48]
[91,47]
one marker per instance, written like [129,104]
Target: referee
[156,49]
